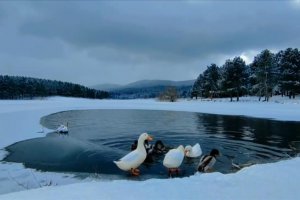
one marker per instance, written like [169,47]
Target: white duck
[173,159]
[62,129]
[134,159]
[193,152]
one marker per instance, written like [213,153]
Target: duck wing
[131,157]
[197,151]
[131,160]
[173,159]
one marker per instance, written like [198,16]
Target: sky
[97,42]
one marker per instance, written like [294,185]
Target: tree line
[17,87]
[268,74]
[149,92]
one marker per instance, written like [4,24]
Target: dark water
[97,137]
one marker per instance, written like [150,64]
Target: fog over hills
[143,84]
[107,87]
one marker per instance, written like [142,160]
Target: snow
[19,120]
[268,181]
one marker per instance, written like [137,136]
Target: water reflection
[261,131]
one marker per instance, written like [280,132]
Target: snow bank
[19,120]
[268,181]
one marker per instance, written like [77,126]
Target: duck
[62,129]
[193,152]
[135,158]
[173,159]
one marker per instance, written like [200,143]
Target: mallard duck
[193,152]
[134,159]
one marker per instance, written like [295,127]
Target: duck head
[188,149]
[142,138]
[145,136]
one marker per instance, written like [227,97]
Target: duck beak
[149,138]
[185,152]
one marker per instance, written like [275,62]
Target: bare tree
[170,94]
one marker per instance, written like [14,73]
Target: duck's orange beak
[185,152]
[149,138]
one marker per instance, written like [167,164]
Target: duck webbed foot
[173,171]
[135,172]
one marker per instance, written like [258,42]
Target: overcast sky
[124,41]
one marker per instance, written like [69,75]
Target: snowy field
[19,120]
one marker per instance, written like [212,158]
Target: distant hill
[143,84]
[106,87]
[146,88]
[154,83]
[18,87]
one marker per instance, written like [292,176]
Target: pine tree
[212,77]
[197,89]
[234,77]
[264,74]
[289,62]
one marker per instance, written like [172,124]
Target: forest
[17,87]
[149,92]
[269,74]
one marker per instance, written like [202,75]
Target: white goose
[193,152]
[173,159]
[134,159]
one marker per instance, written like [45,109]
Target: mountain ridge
[143,84]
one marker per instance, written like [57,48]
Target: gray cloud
[147,39]
[175,29]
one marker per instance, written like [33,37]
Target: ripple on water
[97,137]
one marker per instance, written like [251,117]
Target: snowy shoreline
[19,120]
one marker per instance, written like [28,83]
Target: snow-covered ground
[19,120]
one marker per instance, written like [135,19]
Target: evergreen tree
[289,62]
[264,74]
[211,80]
[267,74]
[197,89]
[234,77]
[15,87]
[207,84]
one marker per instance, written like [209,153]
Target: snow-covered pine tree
[289,63]
[212,77]
[235,77]
[264,75]
[197,89]
[207,83]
